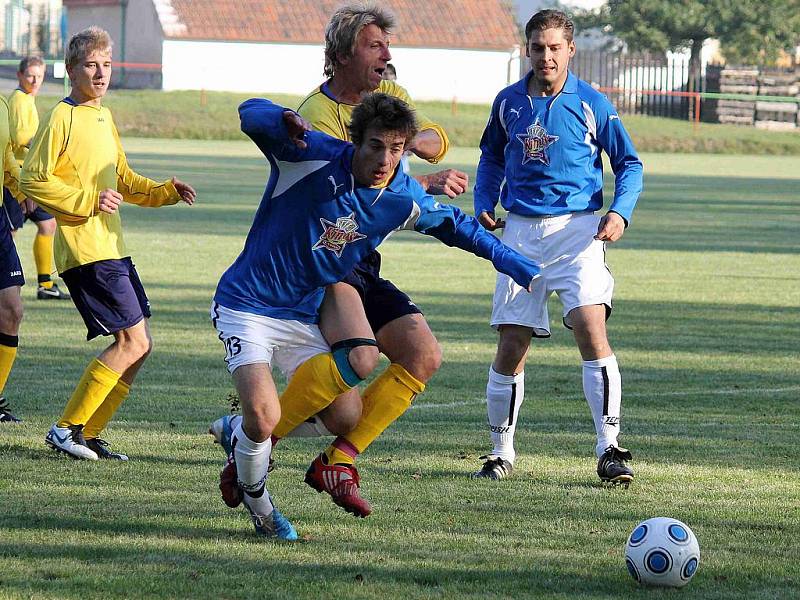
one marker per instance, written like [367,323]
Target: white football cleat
[69,440]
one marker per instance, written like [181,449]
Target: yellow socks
[313,386]
[386,398]
[8,352]
[43,257]
[106,410]
[97,382]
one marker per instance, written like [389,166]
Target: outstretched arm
[452,226]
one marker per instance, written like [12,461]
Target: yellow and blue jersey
[23,122]
[316,222]
[75,155]
[543,155]
[328,115]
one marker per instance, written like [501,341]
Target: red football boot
[341,482]
[229,484]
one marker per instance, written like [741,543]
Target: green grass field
[706,328]
[210,115]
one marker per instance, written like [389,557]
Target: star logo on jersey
[535,142]
[335,236]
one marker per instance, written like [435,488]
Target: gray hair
[345,25]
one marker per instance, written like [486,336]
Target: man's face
[30,80]
[376,158]
[550,52]
[369,58]
[91,75]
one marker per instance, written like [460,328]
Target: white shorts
[251,339]
[573,266]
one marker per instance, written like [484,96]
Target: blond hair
[345,25]
[85,42]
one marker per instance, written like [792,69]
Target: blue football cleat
[274,525]
[222,430]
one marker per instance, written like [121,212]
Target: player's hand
[186,191]
[489,222]
[449,182]
[28,206]
[610,228]
[297,127]
[110,201]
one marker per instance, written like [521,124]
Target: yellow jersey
[9,163]
[330,116]
[23,122]
[75,155]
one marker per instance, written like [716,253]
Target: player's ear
[571,48]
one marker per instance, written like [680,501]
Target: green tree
[753,31]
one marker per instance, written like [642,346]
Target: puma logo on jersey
[335,236]
[515,111]
[333,183]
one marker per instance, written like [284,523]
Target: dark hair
[384,112]
[550,19]
[30,61]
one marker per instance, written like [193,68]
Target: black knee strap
[341,356]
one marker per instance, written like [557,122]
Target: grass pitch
[705,326]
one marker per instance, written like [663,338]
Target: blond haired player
[77,169]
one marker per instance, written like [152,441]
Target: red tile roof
[479,24]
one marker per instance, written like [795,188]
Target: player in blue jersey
[541,158]
[328,203]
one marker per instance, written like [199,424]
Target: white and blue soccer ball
[662,552]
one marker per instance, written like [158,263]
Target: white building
[441,48]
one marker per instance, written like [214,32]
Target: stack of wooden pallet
[777,115]
[738,80]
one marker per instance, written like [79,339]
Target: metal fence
[641,83]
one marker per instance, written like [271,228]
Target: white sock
[602,386]
[504,395]
[252,463]
[313,427]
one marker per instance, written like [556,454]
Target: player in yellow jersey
[77,169]
[356,55]
[23,123]
[11,278]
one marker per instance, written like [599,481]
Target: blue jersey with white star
[315,223]
[542,155]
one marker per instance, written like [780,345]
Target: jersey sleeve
[262,121]
[138,189]
[491,166]
[11,173]
[424,122]
[450,225]
[22,122]
[625,162]
[38,181]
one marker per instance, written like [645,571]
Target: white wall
[469,76]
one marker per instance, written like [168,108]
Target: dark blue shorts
[383,302]
[10,267]
[16,214]
[108,294]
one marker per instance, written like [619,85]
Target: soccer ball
[663,552]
